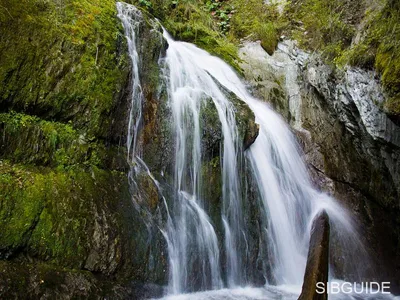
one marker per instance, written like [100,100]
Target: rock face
[358,143]
[73,223]
[350,144]
[69,226]
[317,268]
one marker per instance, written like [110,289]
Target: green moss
[380,49]
[54,213]
[268,37]
[330,26]
[50,143]
[392,105]
[20,208]
[255,20]
[61,60]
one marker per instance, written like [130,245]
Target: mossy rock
[63,61]
[245,119]
[43,281]
[361,34]
[77,219]
[31,140]
[211,130]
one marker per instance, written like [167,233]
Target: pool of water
[285,292]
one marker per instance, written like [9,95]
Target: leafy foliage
[222,12]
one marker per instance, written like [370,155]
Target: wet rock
[44,281]
[357,141]
[245,119]
[368,96]
[251,134]
[350,145]
[211,130]
[64,186]
[265,77]
[317,269]
[147,291]
[274,78]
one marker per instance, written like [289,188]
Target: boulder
[317,268]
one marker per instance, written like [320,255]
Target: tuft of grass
[255,20]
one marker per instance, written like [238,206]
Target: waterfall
[200,257]
[188,87]
[130,17]
[286,196]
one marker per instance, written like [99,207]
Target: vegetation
[64,196]
[255,20]
[60,60]
[62,65]
[53,213]
[51,143]
[384,36]
[350,32]
[218,25]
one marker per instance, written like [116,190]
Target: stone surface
[66,206]
[44,281]
[275,78]
[317,268]
[350,145]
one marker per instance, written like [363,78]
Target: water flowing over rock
[349,143]
[222,245]
[145,47]
[199,127]
[177,181]
[212,244]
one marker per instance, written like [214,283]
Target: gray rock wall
[350,145]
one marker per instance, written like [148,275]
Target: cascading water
[130,17]
[189,87]
[287,197]
[199,259]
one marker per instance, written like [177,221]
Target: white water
[131,17]
[286,197]
[189,87]
[284,292]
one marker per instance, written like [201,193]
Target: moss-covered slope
[61,60]
[64,197]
